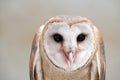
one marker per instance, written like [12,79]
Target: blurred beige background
[20,19]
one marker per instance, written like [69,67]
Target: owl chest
[52,73]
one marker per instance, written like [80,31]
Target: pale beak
[70,58]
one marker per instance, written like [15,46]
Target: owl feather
[67,48]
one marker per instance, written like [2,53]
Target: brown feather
[32,62]
[101,55]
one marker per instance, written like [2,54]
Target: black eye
[81,37]
[57,38]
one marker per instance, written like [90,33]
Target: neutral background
[20,19]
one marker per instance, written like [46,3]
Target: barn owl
[67,48]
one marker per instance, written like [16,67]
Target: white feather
[69,34]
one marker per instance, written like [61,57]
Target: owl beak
[69,57]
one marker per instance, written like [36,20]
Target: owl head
[69,42]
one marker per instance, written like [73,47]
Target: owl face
[69,46]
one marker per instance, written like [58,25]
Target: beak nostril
[70,48]
[69,52]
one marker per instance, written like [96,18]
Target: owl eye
[58,38]
[81,37]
